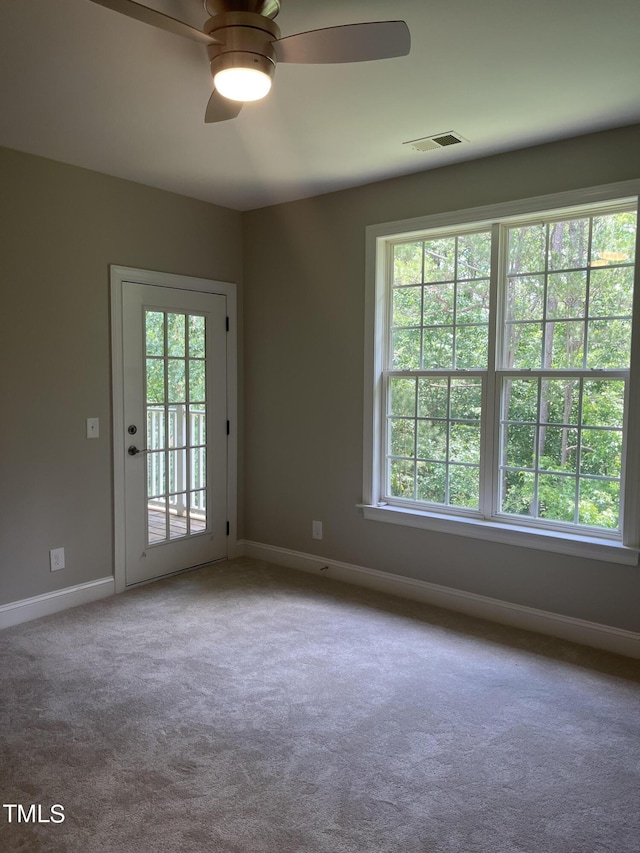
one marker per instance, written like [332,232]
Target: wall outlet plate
[56,559]
[316,529]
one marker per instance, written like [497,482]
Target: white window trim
[376,306]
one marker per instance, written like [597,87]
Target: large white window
[500,397]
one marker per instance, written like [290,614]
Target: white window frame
[535,535]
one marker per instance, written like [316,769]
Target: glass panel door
[175,410]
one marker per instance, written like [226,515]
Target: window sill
[508,534]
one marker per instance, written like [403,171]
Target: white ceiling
[84,85]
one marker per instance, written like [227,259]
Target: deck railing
[172,434]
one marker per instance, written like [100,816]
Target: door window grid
[175,383]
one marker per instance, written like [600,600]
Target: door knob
[133,450]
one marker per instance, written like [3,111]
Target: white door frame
[118,276]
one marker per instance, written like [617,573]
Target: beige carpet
[243,708]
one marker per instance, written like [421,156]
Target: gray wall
[60,228]
[303,320]
[303,293]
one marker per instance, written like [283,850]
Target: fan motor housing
[243,39]
[267,8]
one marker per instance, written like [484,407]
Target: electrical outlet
[56,559]
[316,529]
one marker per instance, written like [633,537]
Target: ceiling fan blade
[156,19]
[348,43]
[220,108]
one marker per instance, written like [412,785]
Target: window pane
[197,393]
[198,468]
[176,377]
[614,238]
[525,299]
[401,478]
[474,255]
[402,433]
[527,249]
[198,428]
[156,428]
[437,349]
[155,381]
[196,336]
[599,503]
[432,440]
[464,443]
[407,263]
[407,306]
[520,400]
[464,486]
[560,399]
[609,344]
[432,482]
[558,449]
[518,493]
[556,497]
[177,436]
[402,397]
[524,346]
[611,292]
[438,305]
[566,294]
[433,398]
[176,334]
[519,444]
[197,513]
[601,452]
[466,399]
[603,403]
[472,302]
[199,502]
[156,484]
[154,332]
[439,259]
[569,244]
[177,470]
[565,345]
[406,350]
[178,522]
[471,346]
[156,521]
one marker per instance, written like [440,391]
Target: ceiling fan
[244,45]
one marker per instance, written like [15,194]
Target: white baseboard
[593,634]
[53,602]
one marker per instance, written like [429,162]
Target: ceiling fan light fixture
[242,76]
[242,84]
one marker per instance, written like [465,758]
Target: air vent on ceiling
[441,140]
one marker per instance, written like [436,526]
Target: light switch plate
[93,427]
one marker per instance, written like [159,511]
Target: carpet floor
[245,708]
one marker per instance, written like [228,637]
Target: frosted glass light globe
[242,84]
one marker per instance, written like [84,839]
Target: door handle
[133,450]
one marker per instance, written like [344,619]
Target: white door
[175,423]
